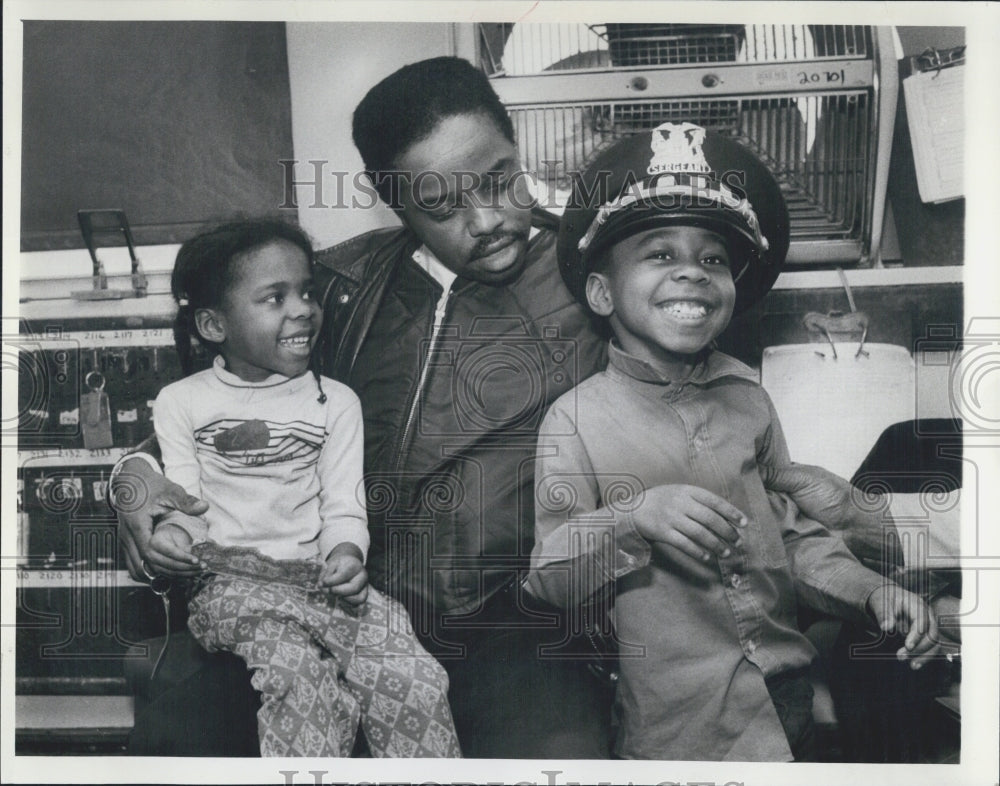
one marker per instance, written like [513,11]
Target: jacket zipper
[440,311]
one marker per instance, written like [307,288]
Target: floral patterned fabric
[323,668]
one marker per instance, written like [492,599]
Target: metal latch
[104,222]
[838,322]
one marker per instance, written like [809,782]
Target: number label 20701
[821,77]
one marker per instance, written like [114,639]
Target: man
[456,332]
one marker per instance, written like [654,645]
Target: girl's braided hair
[205,268]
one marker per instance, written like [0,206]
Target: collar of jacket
[351,258]
[352,277]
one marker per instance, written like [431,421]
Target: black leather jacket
[451,415]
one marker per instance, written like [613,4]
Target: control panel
[85,398]
[91,389]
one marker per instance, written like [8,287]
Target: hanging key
[95,414]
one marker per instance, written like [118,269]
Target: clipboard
[935,110]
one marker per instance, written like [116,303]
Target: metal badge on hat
[678,168]
[677,148]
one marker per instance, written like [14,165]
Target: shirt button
[735,580]
[751,647]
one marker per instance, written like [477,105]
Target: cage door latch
[108,222]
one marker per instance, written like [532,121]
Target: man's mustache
[481,249]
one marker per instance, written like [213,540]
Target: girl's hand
[902,611]
[344,575]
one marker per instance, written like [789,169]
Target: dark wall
[177,123]
[916,39]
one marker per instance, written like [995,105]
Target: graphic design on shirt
[243,443]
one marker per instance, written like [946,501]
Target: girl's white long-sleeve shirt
[281,472]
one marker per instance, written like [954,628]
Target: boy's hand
[170,541]
[344,575]
[896,609]
[691,519]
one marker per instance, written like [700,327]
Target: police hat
[678,173]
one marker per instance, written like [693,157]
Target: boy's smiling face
[667,293]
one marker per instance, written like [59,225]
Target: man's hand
[895,609]
[868,530]
[819,494]
[690,519]
[170,539]
[142,497]
[344,575]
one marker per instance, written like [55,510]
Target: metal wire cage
[815,102]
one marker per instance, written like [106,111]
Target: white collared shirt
[441,273]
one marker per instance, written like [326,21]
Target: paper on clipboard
[935,109]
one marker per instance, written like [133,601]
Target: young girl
[277,453]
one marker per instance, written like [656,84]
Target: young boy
[648,477]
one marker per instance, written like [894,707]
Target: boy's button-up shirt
[697,642]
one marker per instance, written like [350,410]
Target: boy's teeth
[687,310]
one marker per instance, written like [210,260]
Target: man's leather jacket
[452,413]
